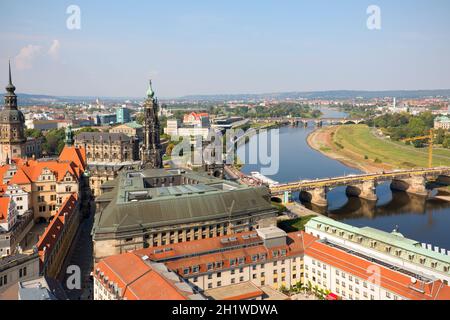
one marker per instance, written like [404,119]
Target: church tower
[12,126]
[151,150]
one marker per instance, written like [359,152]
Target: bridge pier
[414,185]
[316,196]
[443,179]
[365,190]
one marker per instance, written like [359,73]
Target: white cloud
[54,49]
[24,60]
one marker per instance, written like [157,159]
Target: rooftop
[132,277]
[392,239]
[240,291]
[158,197]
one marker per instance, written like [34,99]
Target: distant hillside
[338,94]
[35,99]
[25,99]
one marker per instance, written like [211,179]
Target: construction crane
[430,139]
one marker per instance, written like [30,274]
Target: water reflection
[418,218]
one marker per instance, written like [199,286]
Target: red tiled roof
[4,206]
[20,178]
[202,254]
[136,278]
[390,280]
[75,154]
[54,229]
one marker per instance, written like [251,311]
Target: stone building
[108,147]
[155,207]
[131,129]
[442,123]
[151,153]
[13,142]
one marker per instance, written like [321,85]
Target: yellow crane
[430,139]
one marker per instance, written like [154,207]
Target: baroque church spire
[10,88]
[151,149]
[10,96]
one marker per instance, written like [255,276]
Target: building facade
[13,142]
[123,115]
[108,147]
[16,268]
[442,123]
[271,258]
[56,240]
[131,129]
[151,152]
[154,207]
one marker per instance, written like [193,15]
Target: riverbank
[322,140]
[359,147]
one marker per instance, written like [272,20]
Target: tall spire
[150,92]
[10,87]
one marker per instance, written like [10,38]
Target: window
[40,188]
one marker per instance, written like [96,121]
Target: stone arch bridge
[364,185]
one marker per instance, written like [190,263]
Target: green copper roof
[150,92]
[133,125]
[392,239]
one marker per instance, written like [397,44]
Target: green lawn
[295,224]
[359,139]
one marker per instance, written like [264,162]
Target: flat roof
[271,233]
[240,291]
[393,239]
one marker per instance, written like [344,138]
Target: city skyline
[224,48]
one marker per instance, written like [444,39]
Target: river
[424,220]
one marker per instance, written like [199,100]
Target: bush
[366,157]
[377,161]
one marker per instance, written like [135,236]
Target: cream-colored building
[131,129]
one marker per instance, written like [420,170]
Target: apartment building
[139,279]
[154,207]
[271,258]
[55,242]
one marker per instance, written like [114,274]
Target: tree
[88,129]
[34,133]
[54,142]
[440,136]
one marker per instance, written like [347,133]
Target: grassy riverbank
[358,147]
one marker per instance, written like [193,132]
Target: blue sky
[212,47]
